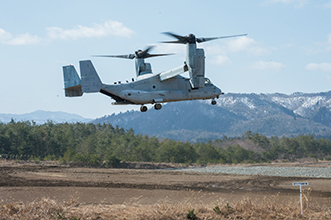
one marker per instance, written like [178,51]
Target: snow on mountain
[269,114]
[304,105]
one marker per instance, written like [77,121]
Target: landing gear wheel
[157,106]
[213,102]
[143,108]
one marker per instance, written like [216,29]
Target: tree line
[104,145]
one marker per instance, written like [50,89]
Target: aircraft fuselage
[149,89]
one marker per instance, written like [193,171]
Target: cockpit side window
[208,82]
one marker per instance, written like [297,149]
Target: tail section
[72,82]
[90,79]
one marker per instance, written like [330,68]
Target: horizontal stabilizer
[172,73]
[72,82]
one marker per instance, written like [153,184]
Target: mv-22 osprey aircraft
[150,88]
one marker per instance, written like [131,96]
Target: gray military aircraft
[149,87]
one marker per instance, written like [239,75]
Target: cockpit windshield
[208,82]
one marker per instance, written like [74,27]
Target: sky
[287,48]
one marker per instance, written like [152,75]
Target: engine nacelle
[198,74]
[142,67]
[146,69]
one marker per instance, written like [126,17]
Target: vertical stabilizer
[90,79]
[72,82]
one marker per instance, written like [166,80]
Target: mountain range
[41,117]
[268,114]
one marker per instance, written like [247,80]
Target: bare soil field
[28,183]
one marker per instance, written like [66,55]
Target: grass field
[268,208]
[29,191]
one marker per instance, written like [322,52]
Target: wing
[172,73]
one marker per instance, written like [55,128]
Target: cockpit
[208,82]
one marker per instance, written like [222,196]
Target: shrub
[36,160]
[191,215]
[50,157]
[112,161]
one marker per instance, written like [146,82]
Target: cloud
[271,65]
[4,36]
[246,44]
[324,67]
[170,48]
[327,5]
[329,42]
[296,3]
[7,38]
[240,44]
[114,28]
[319,47]
[221,60]
[105,29]
[217,53]
[24,39]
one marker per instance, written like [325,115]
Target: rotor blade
[144,53]
[139,54]
[129,56]
[201,39]
[158,55]
[181,39]
[171,42]
[148,48]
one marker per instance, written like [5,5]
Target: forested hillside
[105,145]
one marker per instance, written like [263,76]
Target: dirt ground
[29,182]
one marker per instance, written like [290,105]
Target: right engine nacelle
[198,75]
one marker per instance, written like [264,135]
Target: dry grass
[268,208]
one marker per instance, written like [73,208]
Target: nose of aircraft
[218,91]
